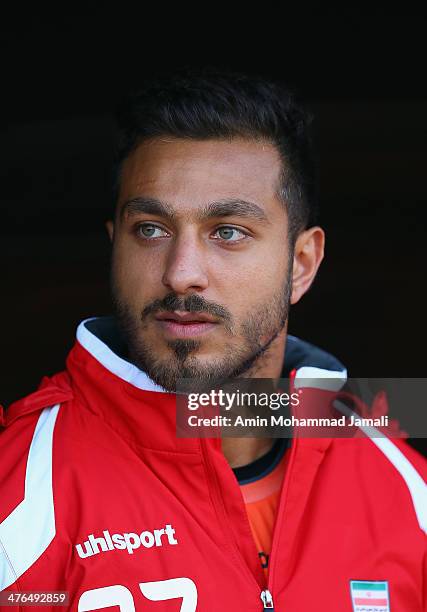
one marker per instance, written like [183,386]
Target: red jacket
[98,497]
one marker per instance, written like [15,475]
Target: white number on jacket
[119,595]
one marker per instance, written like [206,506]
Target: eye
[148,230]
[230,234]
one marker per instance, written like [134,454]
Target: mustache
[191,303]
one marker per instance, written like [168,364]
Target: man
[213,238]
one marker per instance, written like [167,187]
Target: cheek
[136,276]
[260,272]
[275,266]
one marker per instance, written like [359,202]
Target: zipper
[265,595]
[225,520]
[276,533]
[268,603]
[267,600]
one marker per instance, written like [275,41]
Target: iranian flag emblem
[369,596]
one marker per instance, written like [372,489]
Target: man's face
[200,273]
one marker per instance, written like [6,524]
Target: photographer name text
[281,421]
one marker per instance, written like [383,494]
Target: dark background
[363,74]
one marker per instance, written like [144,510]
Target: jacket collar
[308,364]
[99,336]
[144,414]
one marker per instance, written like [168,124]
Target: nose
[185,270]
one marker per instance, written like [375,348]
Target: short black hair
[214,104]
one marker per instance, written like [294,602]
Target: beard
[242,355]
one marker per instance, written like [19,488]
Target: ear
[110,229]
[308,254]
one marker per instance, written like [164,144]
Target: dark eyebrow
[150,206]
[233,207]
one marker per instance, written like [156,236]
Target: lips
[186,317]
[185,324]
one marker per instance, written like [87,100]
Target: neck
[242,451]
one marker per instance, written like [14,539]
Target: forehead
[190,173]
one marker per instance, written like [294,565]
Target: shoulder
[26,433]
[26,451]
[389,471]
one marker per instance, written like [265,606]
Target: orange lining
[261,500]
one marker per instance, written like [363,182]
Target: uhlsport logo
[370,595]
[126,541]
